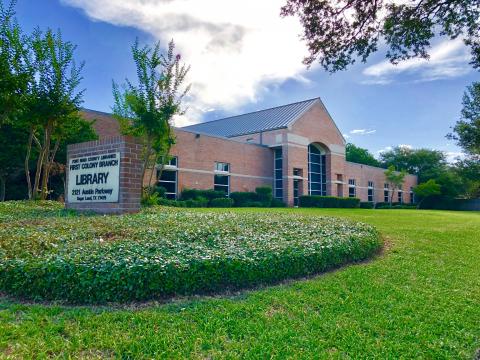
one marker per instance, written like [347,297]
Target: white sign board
[94,178]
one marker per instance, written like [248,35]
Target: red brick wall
[130,173]
[250,165]
[104,124]
[364,173]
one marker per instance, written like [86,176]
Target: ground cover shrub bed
[162,252]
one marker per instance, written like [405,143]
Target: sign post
[104,176]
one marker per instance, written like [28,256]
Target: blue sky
[244,57]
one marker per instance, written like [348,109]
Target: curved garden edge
[145,278]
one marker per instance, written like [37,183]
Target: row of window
[352,192]
[168,178]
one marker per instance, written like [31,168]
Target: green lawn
[420,299]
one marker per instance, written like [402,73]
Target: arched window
[317,171]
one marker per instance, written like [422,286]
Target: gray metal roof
[263,120]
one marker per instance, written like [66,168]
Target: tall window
[412,196]
[278,174]
[370,191]
[400,196]
[168,178]
[385,193]
[221,179]
[352,188]
[317,174]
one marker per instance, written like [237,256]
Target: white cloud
[405,146]
[448,59]
[236,48]
[385,149]
[453,156]
[362,132]
[346,136]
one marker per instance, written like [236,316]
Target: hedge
[163,252]
[394,205]
[221,203]
[328,201]
[367,205]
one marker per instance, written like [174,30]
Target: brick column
[130,182]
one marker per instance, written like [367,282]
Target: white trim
[230,174]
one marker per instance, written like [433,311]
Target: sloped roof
[263,120]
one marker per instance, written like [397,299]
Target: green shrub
[150,199]
[221,203]
[197,203]
[163,252]
[395,205]
[328,201]
[264,195]
[367,205]
[173,203]
[276,203]
[196,194]
[243,198]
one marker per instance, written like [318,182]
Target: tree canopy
[146,109]
[359,155]
[337,33]
[14,72]
[425,163]
[467,130]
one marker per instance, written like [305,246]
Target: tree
[425,190]
[467,130]
[360,156]
[14,74]
[13,142]
[395,179]
[53,102]
[339,32]
[146,110]
[425,163]
[469,172]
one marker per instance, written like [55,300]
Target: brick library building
[297,149]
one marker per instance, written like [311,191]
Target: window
[170,163]
[167,178]
[400,196]
[412,196]
[222,167]
[317,174]
[386,197]
[352,189]
[278,174]
[370,191]
[221,181]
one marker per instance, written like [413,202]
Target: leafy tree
[469,172]
[360,156]
[13,142]
[338,32]
[53,103]
[467,130]
[425,163]
[395,179]
[425,190]
[14,73]
[146,110]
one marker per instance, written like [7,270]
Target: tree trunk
[148,152]
[47,168]
[27,163]
[3,181]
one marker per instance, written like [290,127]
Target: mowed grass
[420,299]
